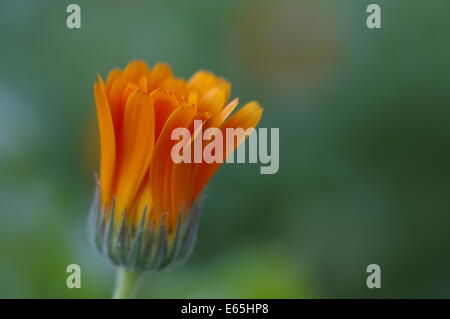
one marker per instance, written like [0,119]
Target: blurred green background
[364,118]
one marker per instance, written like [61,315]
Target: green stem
[126,282]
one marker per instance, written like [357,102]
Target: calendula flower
[147,206]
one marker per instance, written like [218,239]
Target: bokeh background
[364,118]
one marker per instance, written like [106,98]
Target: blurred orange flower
[140,185]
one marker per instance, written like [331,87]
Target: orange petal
[182,172]
[213,100]
[159,73]
[115,98]
[181,185]
[107,143]
[164,103]
[143,85]
[142,203]
[247,117]
[204,81]
[135,69]
[112,77]
[175,85]
[161,165]
[217,120]
[137,143]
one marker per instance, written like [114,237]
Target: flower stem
[126,282]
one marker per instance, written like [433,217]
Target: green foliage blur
[364,118]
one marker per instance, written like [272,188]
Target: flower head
[146,208]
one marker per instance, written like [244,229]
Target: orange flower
[143,195]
